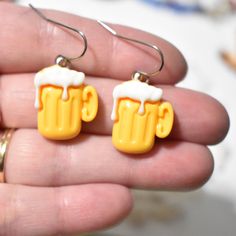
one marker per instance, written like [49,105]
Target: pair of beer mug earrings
[64,101]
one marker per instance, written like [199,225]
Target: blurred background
[205,32]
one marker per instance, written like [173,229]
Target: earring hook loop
[63,60]
[141,75]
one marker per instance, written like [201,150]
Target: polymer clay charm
[62,99]
[139,114]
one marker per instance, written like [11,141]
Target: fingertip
[199,117]
[202,171]
[122,204]
[215,120]
[222,123]
[144,58]
[180,167]
[100,206]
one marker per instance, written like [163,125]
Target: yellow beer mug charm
[62,99]
[139,114]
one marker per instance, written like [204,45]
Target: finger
[40,42]
[33,160]
[198,117]
[32,211]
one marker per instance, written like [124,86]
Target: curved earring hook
[141,75]
[62,60]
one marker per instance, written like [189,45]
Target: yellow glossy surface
[135,133]
[61,120]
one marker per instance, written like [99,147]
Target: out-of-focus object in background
[229,55]
[217,7]
[177,5]
[212,7]
[229,58]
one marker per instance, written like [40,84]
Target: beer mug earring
[139,114]
[62,99]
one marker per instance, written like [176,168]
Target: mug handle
[165,120]
[90,103]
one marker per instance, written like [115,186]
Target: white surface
[211,211]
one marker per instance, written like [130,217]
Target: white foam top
[57,76]
[136,90]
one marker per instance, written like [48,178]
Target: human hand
[83,185]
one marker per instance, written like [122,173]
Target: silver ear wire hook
[62,60]
[141,75]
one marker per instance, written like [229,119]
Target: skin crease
[70,185]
